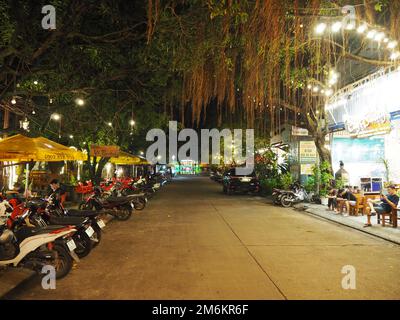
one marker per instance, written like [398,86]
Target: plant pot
[324,201]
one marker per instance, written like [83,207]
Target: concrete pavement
[194,242]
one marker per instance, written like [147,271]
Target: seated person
[341,199]
[351,198]
[57,191]
[332,199]
[383,205]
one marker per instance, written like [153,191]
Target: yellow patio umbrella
[126,158]
[20,148]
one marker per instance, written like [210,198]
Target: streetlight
[132,122]
[13,101]
[71,136]
[109,124]
[35,82]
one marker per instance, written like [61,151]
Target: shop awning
[126,158]
[20,148]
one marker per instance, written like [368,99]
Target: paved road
[193,242]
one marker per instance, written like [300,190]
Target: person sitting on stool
[384,205]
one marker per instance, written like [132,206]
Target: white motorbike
[299,195]
[34,248]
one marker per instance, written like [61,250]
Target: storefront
[364,119]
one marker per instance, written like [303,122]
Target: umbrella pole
[27,179]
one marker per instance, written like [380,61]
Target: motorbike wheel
[140,204]
[96,235]
[122,214]
[285,201]
[62,262]
[83,244]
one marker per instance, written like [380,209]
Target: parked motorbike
[119,207]
[39,212]
[290,198]
[34,248]
[139,199]
[56,209]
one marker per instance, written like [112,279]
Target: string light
[395,55]
[321,28]
[336,27]
[362,28]
[379,37]
[371,34]
[55,116]
[392,44]
[80,102]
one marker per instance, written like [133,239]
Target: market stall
[21,149]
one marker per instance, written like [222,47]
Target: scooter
[35,248]
[119,207]
[301,195]
[39,214]
[56,209]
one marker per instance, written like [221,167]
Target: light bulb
[55,116]
[392,44]
[379,37]
[320,28]
[395,55]
[80,102]
[336,26]
[362,28]
[371,34]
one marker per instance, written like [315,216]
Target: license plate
[89,231]
[245,179]
[101,223]
[71,245]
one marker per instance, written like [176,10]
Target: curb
[353,225]
[24,276]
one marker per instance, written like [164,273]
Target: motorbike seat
[118,199]
[82,213]
[136,195]
[67,221]
[26,232]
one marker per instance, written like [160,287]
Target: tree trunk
[324,153]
